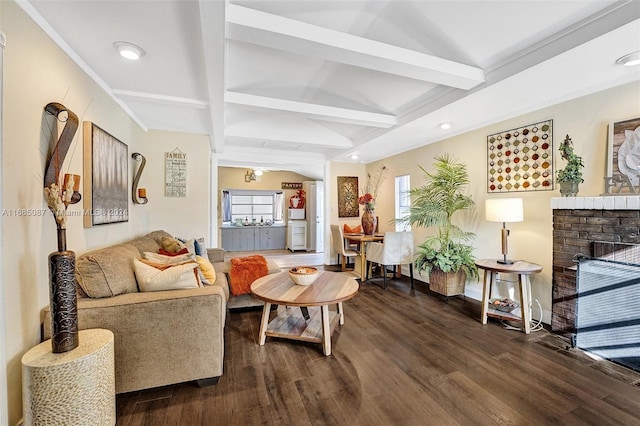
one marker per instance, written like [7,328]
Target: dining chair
[337,237]
[397,249]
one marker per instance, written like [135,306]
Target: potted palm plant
[570,177]
[445,255]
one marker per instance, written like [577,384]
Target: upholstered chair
[337,237]
[397,249]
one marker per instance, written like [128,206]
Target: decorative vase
[569,189]
[369,222]
[63,298]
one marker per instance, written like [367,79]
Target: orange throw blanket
[244,271]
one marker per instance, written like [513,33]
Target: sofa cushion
[145,243]
[166,277]
[107,272]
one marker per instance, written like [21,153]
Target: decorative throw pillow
[189,244]
[350,230]
[170,253]
[244,271]
[171,244]
[172,259]
[207,269]
[201,250]
[175,277]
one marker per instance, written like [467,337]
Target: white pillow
[168,260]
[190,245]
[172,278]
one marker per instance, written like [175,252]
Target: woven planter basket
[449,283]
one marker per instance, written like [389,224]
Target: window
[254,206]
[403,200]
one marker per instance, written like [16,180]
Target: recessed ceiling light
[354,156]
[630,59]
[129,50]
[446,125]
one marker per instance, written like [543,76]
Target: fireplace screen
[608,310]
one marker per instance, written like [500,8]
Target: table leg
[341,313]
[363,260]
[525,313]
[326,330]
[486,290]
[262,337]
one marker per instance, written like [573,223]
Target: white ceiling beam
[315,111]
[252,134]
[310,164]
[240,154]
[277,32]
[162,99]
[212,18]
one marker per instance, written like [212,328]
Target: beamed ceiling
[289,85]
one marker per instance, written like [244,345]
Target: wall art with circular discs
[521,159]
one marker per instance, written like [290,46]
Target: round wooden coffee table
[303,312]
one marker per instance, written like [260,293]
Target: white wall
[584,119]
[185,217]
[37,72]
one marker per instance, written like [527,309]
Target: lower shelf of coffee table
[291,324]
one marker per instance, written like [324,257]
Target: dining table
[362,241]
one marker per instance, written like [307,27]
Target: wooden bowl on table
[303,275]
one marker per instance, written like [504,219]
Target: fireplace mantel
[612,202]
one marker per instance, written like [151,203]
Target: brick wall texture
[574,232]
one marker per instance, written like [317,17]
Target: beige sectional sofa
[161,337]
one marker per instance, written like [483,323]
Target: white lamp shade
[504,210]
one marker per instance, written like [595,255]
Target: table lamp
[504,210]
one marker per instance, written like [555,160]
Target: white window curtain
[278,205]
[226,206]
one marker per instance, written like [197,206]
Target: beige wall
[331,199]
[37,72]
[584,119]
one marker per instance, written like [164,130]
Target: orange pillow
[349,230]
[244,271]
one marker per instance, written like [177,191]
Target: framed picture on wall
[348,196]
[106,177]
[624,153]
[521,159]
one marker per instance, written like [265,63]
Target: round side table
[523,269]
[71,388]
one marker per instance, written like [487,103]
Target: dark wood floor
[402,357]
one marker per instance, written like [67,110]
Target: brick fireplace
[579,222]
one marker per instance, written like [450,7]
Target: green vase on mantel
[569,189]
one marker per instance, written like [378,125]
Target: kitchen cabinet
[253,238]
[297,235]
